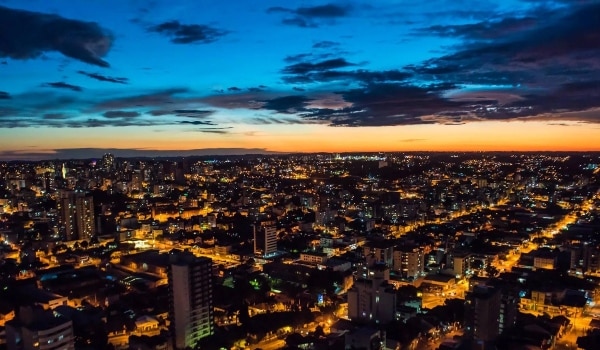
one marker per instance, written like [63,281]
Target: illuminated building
[372,299]
[76,215]
[84,207]
[409,262]
[379,253]
[107,163]
[265,240]
[190,298]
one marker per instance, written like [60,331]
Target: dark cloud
[4,95]
[196,122]
[242,100]
[356,76]
[159,112]
[154,99]
[317,55]
[298,88]
[483,30]
[234,88]
[193,112]
[55,116]
[387,104]
[330,71]
[328,11]
[63,85]
[27,35]
[405,104]
[299,22]
[100,77]
[325,44]
[297,58]
[208,131]
[577,96]
[559,41]
[308,67]
[188,33]
[311,17]
[257,88]
[547,58]
[160,108]
[270,120]
[121,114]
[287,104]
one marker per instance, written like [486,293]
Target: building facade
[76,216]
[489,312]
[265,240]
[379,253]
[38,329]
[84,209]
[409,263]
[190,298]
[372,299]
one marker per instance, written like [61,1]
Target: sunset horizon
[179,76]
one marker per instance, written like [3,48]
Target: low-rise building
[37,329]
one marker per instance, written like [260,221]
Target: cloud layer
[188,33]
[541,63]
[28,35]
[100,77]
[310,17]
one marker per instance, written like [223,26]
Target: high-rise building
[84,210]
[409,262]
[372,298]
[379,253]
[136,180]
[108,162]
[190,298]
[76,215]
[37,329]
[482,313]
[489,312]
[461,263]
[66,216]
[265,240]
[591,258]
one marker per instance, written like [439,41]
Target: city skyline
[310,76]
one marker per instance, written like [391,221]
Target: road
[580,325]
[449,337]
[548,232]
[272,344]
[217,259]
[430,300]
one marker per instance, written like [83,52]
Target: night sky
[80,77]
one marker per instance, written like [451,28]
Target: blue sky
[90,74]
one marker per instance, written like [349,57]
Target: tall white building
[190,298]
[265,240]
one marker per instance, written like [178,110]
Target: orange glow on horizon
[474,136]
